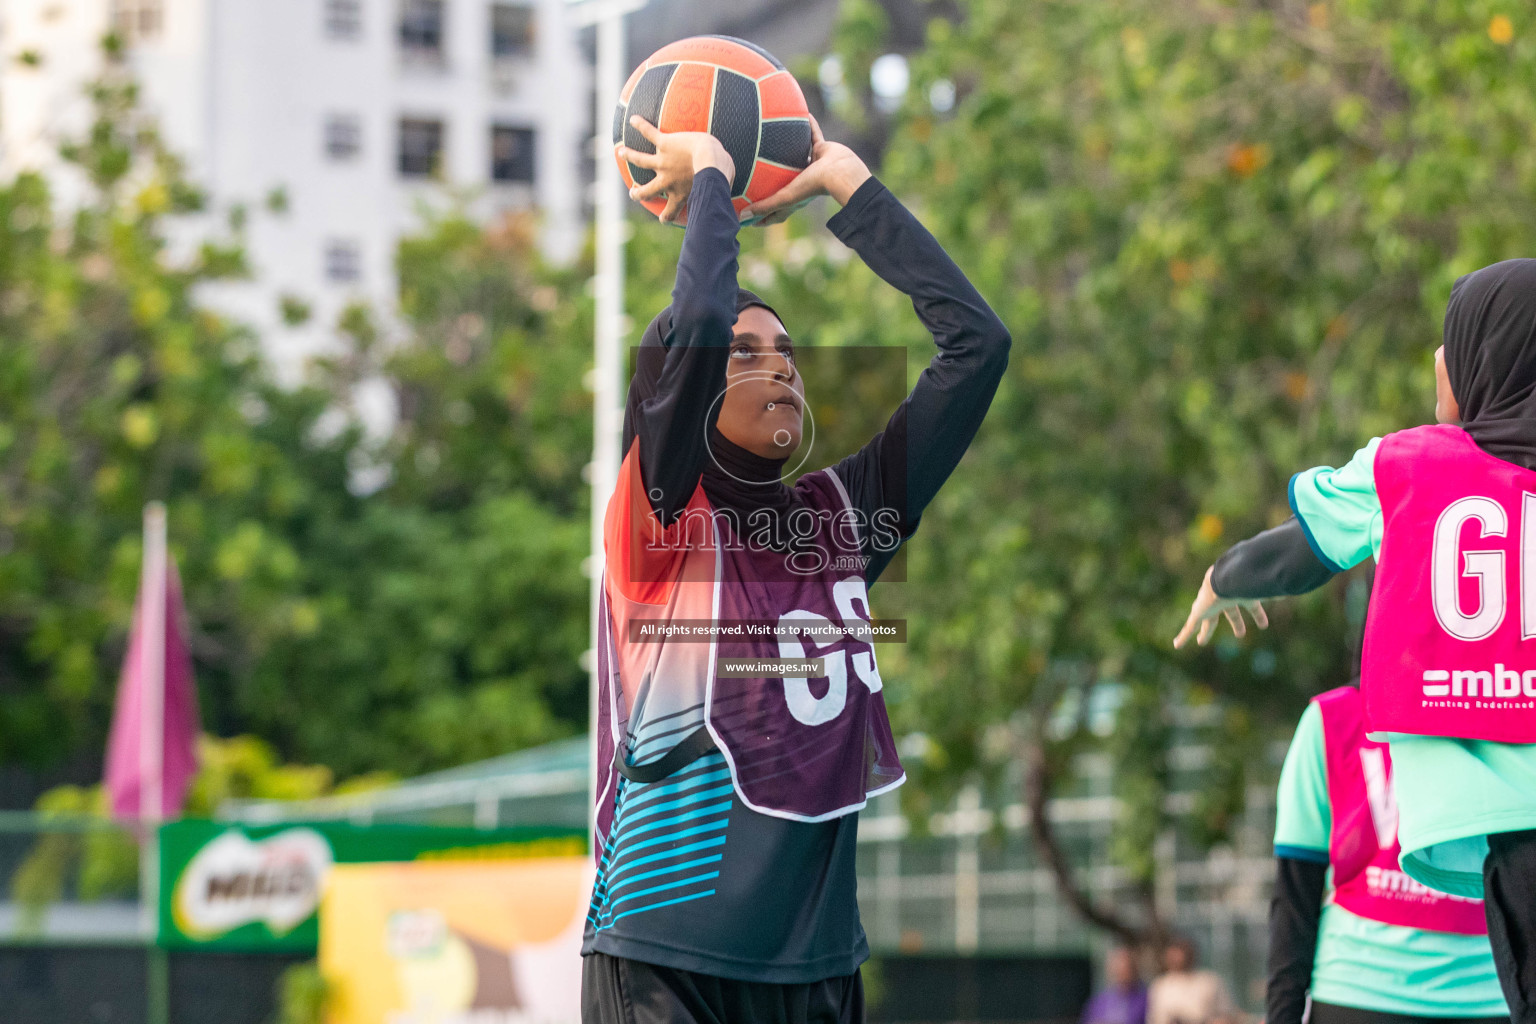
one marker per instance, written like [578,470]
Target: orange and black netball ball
[739,93]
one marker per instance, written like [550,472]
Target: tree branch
[1037,788]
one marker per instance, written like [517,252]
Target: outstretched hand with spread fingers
[1205,614]
[678,157]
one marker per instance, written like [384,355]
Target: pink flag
[151,758]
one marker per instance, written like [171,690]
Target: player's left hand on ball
[835,171]
[1205,614]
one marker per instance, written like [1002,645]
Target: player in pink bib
[1449,664]
[1349,932]
[1363,847]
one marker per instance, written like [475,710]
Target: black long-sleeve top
[903,466]
[674,424]
[781,907]
[1275,563]
[1294,913]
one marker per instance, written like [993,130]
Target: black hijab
[1490,358]
[733,478]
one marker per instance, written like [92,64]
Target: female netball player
[1447,671]
[727,821]
[1368,944]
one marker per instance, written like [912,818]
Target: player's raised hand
[835,171]
[678,157]
[1205,614]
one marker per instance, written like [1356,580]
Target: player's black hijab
[733,478]
[1490,358]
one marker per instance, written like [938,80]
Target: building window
[511,31]
[343,136]
[343,19]
[421,28]
[343,261]
[136,20]
[421,147]
[512,154]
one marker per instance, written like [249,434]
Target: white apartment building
[361,112]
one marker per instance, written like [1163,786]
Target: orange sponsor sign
[455,943]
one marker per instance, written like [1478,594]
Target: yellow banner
[455,943]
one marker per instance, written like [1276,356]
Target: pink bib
[1363,846]
[1449,645]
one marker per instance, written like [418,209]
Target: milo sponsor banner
[237,881]
[258,887]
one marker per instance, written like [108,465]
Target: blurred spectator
[1124,999]
[1184,994]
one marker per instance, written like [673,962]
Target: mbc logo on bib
[1501,682]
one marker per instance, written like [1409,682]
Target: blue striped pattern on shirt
[666,844]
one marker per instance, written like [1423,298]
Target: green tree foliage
[77,853]
[1223,234]
[395,603]
[115,388]
[454,607]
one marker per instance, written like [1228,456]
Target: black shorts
[1509,899]
[619,991]
[1327,1013]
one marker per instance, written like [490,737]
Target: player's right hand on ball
[1205,614]
[678,157]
